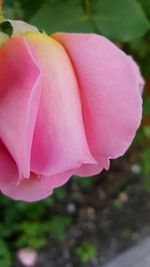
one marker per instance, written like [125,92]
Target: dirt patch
[111,214]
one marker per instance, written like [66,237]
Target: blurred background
[89,220]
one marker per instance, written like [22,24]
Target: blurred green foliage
[118,203]
[127,23]
[29,225]
[86,252]
[5,254]
[123,20]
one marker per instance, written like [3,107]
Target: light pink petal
[88,170]
[33,189]
[19,100]
[109,87]
[59,142]
[28,189]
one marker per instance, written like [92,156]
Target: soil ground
[112,214]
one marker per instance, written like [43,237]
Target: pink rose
[68,104]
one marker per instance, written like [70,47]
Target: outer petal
[59,142]
[19,100]
[32,189]
[109,86]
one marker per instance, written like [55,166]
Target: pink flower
[68,104]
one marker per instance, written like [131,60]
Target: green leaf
[33,234]
[12,9]
[62,16]
[146,6]
[58,225]
[140,47]
[121,20]
[146,105]
[30,7]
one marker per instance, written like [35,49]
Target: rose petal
[19,100]
[32,189]
[27,190]
[109,86]
[59,142]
